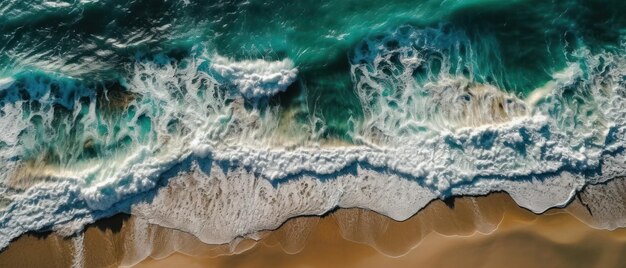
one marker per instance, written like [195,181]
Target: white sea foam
[6,82]
[256,78]
[206,145]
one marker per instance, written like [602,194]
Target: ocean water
[279,109]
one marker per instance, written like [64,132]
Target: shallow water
[489,231]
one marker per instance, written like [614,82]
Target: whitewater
[222,146]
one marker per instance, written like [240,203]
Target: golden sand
[489,231]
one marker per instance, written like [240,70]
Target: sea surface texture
[223,118]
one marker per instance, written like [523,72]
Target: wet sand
[489,231]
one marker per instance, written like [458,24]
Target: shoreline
[128,240]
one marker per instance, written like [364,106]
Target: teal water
[516,44]
[109,95]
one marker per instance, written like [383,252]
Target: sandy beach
[490,231]
[478,232]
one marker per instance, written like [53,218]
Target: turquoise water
[108,95]
[517,45]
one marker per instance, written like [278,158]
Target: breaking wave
[436,123]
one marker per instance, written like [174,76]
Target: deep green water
[91,77]
[517,45]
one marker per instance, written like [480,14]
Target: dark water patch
[96,38]
[331,97]
[113,97]
[522,36]
[537,38]
[114,223]
[294,104]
